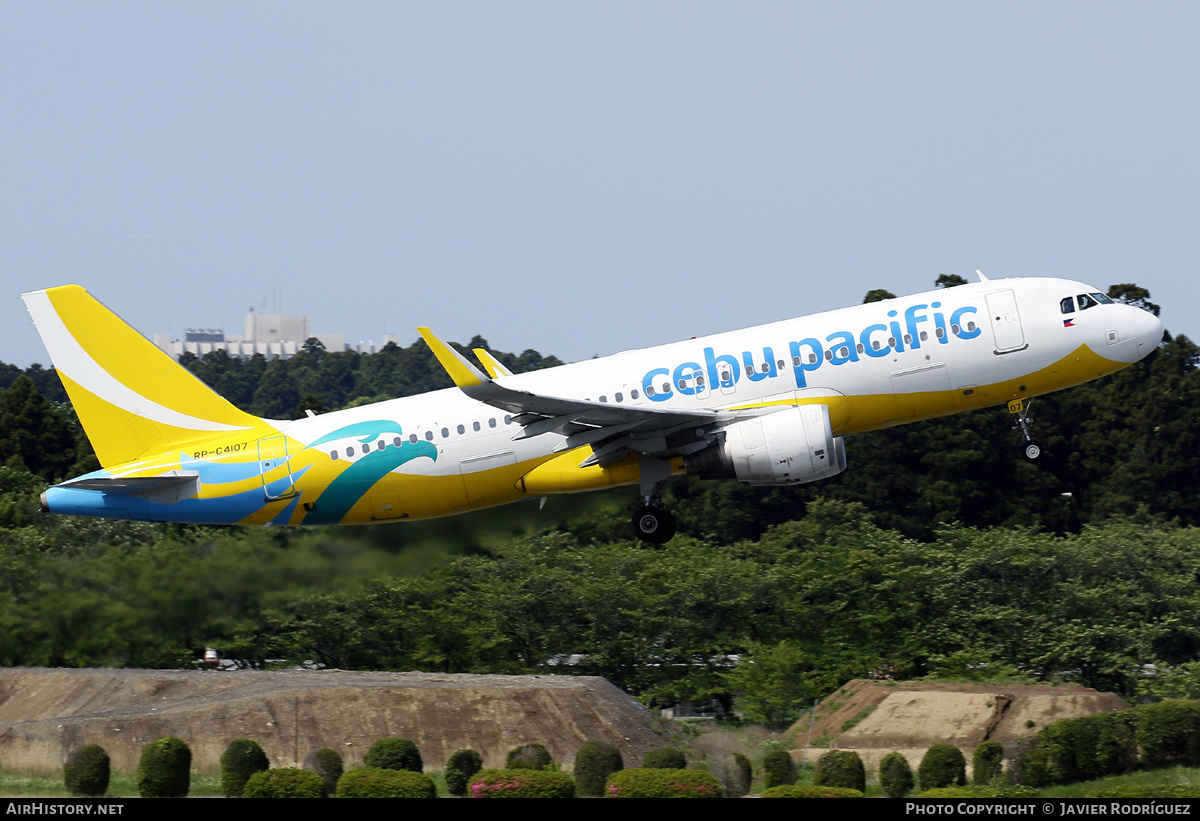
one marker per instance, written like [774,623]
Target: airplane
[767,405]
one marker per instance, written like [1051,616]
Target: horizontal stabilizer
[169,488]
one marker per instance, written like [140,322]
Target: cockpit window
[1101,298]
[1086,302]
[1068,305]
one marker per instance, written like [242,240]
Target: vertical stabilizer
[132,398]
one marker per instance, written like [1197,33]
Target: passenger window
[428,436]
[380,445]
[1067,305]
[445,433]
[618,396]
[749,370]
[333,454]
[397,441]
[507,419]
[349,453]
[475,426]
[412,437]
[461,430]
[666,387]
[940,332]
[633,395]
[924,336]
[604,399]
[795,362]
[828,356]
[366,449]
[649,390]
[491,423]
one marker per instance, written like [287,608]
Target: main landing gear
[1031,450]
[653,523]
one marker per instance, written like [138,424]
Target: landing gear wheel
[1032,451]
[653,524]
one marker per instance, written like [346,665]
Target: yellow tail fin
[132,398]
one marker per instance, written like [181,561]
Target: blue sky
[581,178]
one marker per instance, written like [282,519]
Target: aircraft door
[1005,322]
[276,468]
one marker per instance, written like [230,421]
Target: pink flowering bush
[520,784]
[662,784]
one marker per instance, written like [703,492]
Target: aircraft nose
[1148,329]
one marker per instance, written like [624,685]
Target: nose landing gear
[1031,450]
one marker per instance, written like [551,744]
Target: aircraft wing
[612,430]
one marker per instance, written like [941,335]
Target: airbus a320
[768,405]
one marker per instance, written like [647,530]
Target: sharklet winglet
[461,371]
[490,364]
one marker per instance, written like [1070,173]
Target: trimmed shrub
[646,783]
[528,757]
[375,782]
[241,759]
[86,771]
[810,791]
[987,762]
[733,771]
[327,764]
[1168,733]
[286,782]
[942,766]
[778,769]
[462,765]
[895,776]
[841,768]
[520,783]
[394,754]
[665,758]
[1079,749]
[594,763]
[165,769]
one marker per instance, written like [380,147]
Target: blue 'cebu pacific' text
[722,371]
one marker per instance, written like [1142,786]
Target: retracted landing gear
[653,523]
[1030,449]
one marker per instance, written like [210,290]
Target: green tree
[878,295]
[948,281]
[33,435]
[1132,294]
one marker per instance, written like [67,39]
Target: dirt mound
[877,717]
[44,714]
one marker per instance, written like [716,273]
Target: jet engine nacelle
[788,447]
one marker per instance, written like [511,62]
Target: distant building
[275,336]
